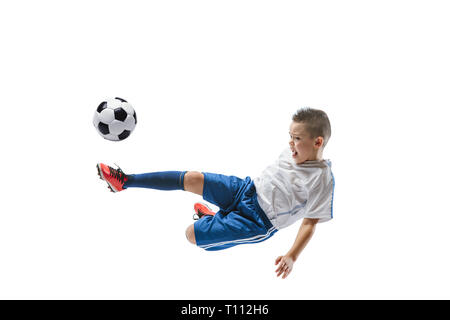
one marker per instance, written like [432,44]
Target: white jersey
[288,192]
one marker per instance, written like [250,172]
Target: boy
[298,185]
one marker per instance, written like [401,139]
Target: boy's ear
[318,142]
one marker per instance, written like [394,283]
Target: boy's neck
[317,156]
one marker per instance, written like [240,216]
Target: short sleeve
[320,201]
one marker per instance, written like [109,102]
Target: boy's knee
[190,234]
[193,182]
[193,177]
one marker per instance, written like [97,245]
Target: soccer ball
[115,119]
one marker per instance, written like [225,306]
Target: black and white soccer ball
[115,119]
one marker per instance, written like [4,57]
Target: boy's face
[303,147]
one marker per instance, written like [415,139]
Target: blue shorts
[240,218]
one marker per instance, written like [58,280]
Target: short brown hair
[316,121]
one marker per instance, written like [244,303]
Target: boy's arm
[304,235]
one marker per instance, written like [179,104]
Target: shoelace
[117,173]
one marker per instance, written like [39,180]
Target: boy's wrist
[292,255]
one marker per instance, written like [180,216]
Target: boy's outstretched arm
[305,233]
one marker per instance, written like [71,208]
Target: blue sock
[166,180]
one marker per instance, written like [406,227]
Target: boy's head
[310,131]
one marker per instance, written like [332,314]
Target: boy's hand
[304,234]
[286,264]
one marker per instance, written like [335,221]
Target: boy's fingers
[285,272]
[281,269]
[282,265]
[284,268]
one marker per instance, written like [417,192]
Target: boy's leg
[117,180]
[190,234]
[223,191]
[191,181]
[194,182]
[164,180]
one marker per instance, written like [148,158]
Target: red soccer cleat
[115,178]
[202,210]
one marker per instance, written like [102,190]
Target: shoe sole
[100,174]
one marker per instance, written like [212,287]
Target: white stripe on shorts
[241,241]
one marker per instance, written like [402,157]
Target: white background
[214,85]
